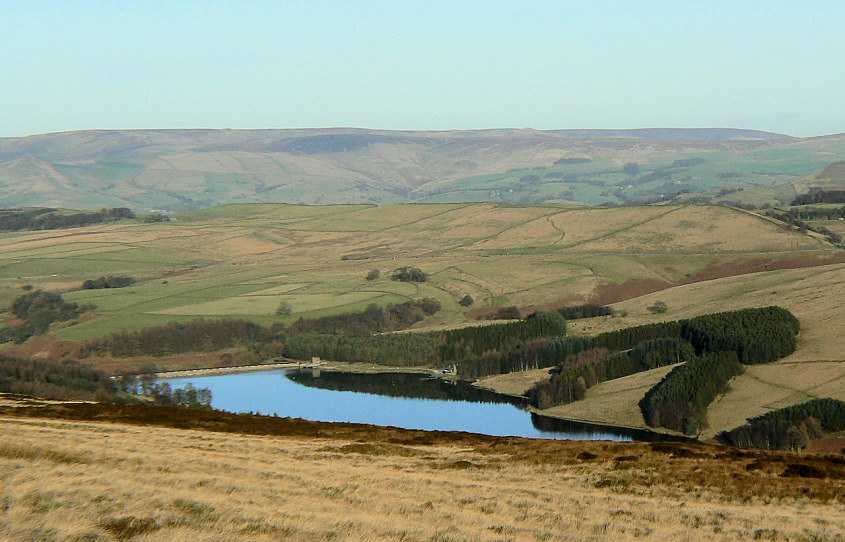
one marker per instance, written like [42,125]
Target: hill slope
[831,177]
[244,260]
[84,478]
[180,170]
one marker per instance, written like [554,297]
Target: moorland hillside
[178,170]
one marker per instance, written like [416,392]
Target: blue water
[271,392]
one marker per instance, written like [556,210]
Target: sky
[429,65]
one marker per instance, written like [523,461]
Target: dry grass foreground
[82,480]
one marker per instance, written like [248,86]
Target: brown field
[136,477]
[514,383]
[769,387]
[812,294]
[613,402]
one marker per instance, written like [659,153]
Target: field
[245,260]
[75,479]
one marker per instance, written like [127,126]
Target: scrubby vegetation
[195,336]
[589,310]
[53,379]
[37,310]
[50,219]
[149,472]
[409,274]
[790,428]
[284,309]
[156,217]
[108,282]
[373,319]
[510,312]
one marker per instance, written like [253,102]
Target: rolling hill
[178,170]
[244,260]
[831,177]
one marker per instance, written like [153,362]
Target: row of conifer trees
[757,335]
[789,428]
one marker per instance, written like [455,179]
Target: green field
[244,260]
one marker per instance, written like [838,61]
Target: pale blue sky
[767,65]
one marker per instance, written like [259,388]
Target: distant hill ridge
[105,143]
[177,170]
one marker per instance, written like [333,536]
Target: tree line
[176,337]
[52,379]
[299,342]
[820,196]
[789,428]
[70,380]
[451,347]
[108,282]
[293,341]
[587,368]
[757,335]
[163,393]
[797,218]
[589,310]
[50,219]
[410,385]
[680,400]
[373,319]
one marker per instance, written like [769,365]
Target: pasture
[244,260]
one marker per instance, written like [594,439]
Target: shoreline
[336,366]
[368,368]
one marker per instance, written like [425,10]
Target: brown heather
[81,471]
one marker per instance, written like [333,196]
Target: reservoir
[411,401]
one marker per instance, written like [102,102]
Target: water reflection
[411,401]
[412,386]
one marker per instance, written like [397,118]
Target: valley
[245,261]
[181,170]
